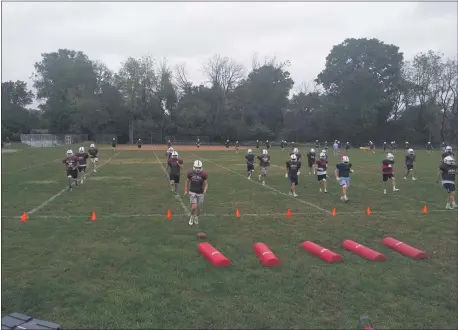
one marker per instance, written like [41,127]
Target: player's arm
[205,185]
[180,163]
[337,173]
[298,168]
[438,176]
[186,185]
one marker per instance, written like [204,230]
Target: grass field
[133,268]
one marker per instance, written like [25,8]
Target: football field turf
[133,268]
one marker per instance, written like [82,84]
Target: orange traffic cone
[368,211]
[237,213]
[333,213]
[425,210]
[93,216]
[288,213]
[24,217]
[169,214]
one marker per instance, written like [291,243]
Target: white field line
[230,215]
[39,207]
[268,187]
[183,206]
[32,166]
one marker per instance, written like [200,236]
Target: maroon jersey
[264,161]
[387,166]
[71,162]
[321,166]
[174,164]
[93,152]
[82,158]
[197,181]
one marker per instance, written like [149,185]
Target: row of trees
[366,91]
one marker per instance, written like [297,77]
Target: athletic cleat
[191,220]
[325,191]
[321,190]
[413,179]
[290,193]
[95,171]
[196,220]
[263,183]
[259,177]
[294,195]
[395,189]
[449,207]
[405,178]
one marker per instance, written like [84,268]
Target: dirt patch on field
[177,147]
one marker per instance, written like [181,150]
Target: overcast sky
[303,33]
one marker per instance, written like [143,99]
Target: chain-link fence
[105,138]
[52,140]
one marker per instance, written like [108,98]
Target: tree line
[367,91]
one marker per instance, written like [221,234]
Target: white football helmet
[236,141]
[197,166]
[312,151]
[448,149]
[170,150]
[81,150]
[267,141]
[92,145]
[323,151]
[175,154]
[69,152]
[322,155]
[265,152]
[449,160]
[410,151]
[293,158]
[345,159]
[295,150]
[249,151]
[389,156]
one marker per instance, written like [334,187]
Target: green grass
[133,268]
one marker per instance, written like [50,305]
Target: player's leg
[69,179]
[75,176]
[393,183]
[200,200]
[264,172]
[176,180]
[193,201]
[82,171]
[248,171]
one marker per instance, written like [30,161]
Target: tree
[67,81]
[15,117]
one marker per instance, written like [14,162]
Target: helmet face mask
[449,160]
[197,167]
[264,152]
[390,156]
[69,153]
[293,158]
[81,150]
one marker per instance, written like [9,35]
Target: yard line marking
[268,187]
[39,207]
[32,166]
[183,206]
[229,215]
